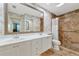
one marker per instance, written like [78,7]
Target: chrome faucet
[40,33]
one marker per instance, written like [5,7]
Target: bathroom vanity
[23,19]
[32,45]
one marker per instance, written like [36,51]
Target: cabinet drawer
[50,38]
[20,48]
[6,47]
[19,44]
[14,45]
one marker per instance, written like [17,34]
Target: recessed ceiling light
[60,4]
[56,18]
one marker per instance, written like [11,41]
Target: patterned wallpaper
[69,30]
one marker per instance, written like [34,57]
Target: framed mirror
[1,19]
[23,19]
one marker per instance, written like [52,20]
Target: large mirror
[23,18]
[1,19]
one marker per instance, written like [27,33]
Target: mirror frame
[6,21]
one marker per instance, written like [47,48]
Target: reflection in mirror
[22,18]
[14,22]
[1,19]
[32,23]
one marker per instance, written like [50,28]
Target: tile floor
[63,52]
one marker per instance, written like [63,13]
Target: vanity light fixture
[59,5]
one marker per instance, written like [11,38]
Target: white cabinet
[41,45]
[24,49]
[49,42]
[36,47]
[8,50]
[27,48]
[46,43]
[11,52]
[17,49]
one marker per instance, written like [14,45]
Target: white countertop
[12,40]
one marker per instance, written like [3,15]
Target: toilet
[56,44]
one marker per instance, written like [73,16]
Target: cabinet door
[11,52]
[8,50]
[24,49]
[46,43]
[36,47]
[49,42]
[17,49]
[39,47]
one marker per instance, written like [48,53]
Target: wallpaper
[69,30]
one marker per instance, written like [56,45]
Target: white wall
[55,28]
[47,22]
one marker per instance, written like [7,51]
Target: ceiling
[22,9]
[67,7]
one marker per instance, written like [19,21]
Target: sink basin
[6,39]
[24,37]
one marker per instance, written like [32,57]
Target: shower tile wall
[69,30]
